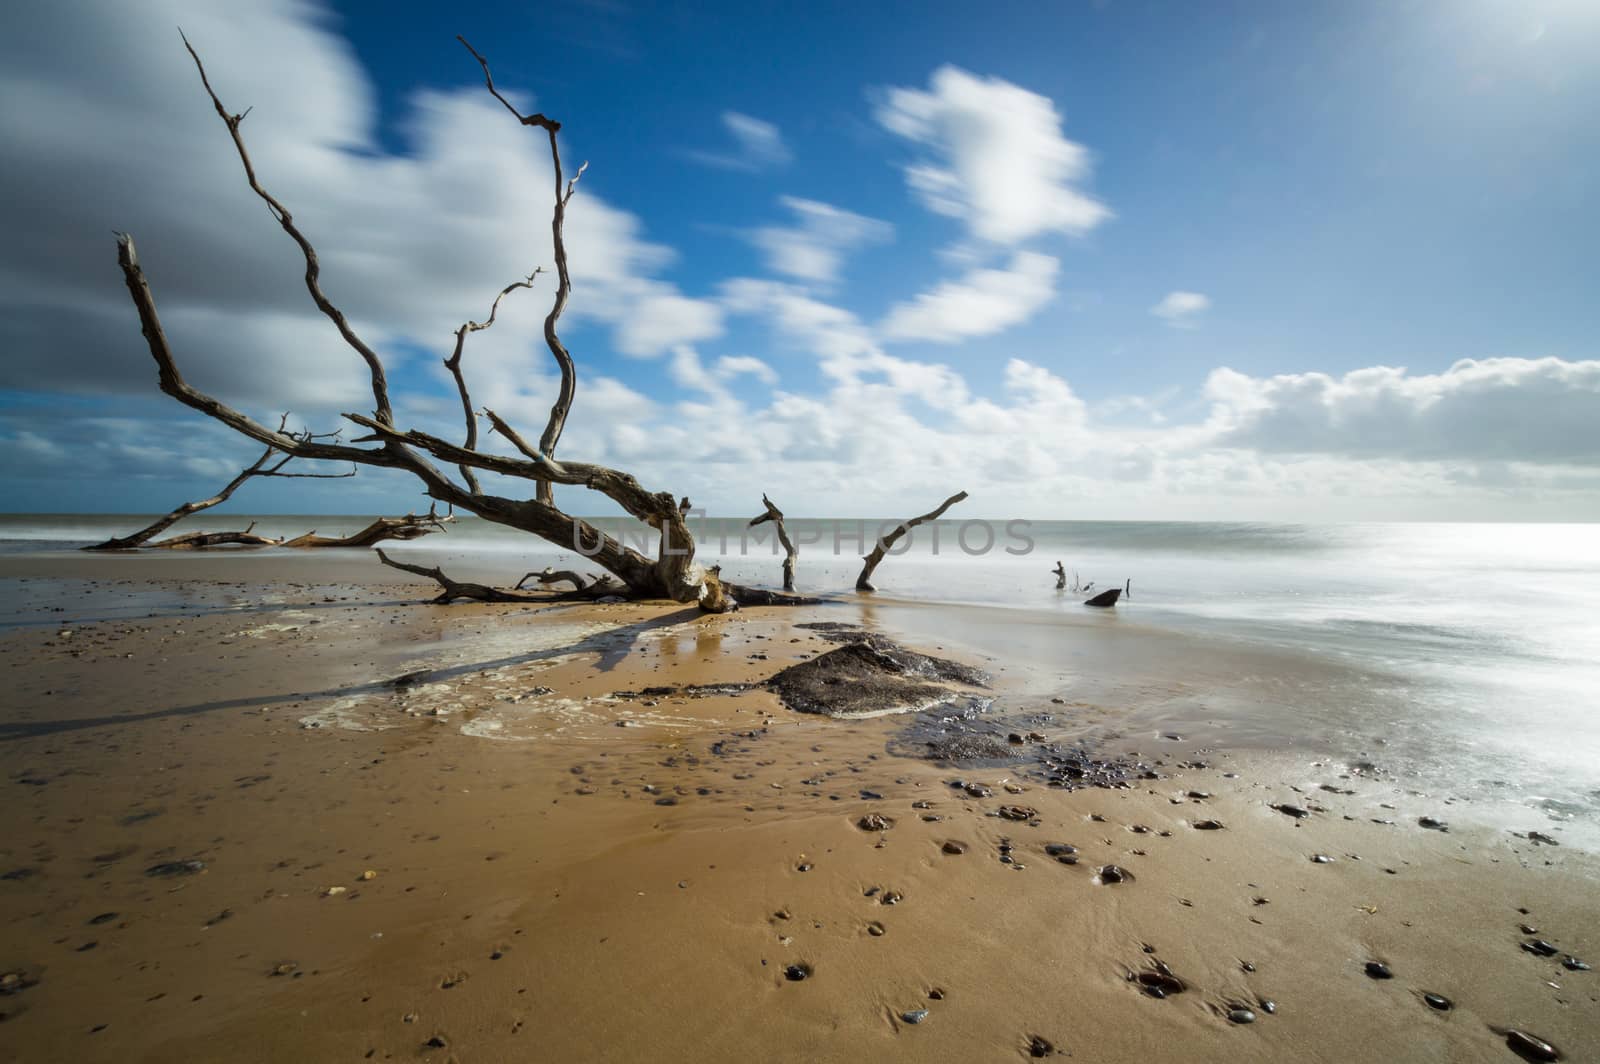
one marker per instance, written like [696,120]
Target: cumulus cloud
[995,157]
[111,130]
[757,145]
[980,303]
[813,249]
[1503,409]
[1180,308]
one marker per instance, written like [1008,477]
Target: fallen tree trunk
[864,581]
[791,552]
[203,540]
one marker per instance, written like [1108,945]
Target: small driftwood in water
[1105,598]
[791,552]
[1061,576]
[864,581]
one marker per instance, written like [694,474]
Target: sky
[1084,260]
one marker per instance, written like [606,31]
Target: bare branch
[864,581]
[569,371]
[380,386]
[453,364]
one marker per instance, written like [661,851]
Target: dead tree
[259,468]
[672,574]
[791,552]
[864,581]
[1061,576]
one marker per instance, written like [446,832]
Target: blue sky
[1110,259]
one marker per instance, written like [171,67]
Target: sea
[1463,658]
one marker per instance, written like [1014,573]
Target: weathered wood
[791,552]
[864,581]
[411,526]
[1105,598]
[1061,576]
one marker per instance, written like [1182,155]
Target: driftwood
[455,589]
[411,526]
[672,574]
[1109,598]
[864,581]
[1060,572]
[261,467]
[791,552]
[203,540]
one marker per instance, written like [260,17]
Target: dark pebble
[797,972]
[1241,1016]
[1438,1002]
[1292,810]
[1573,964]
[1114,874]
[668,800]
[436,1042]
[1268,1006]
[1432,824]
[1208,825]
[914,1016]
[103,918]
[954,847]
[1531,1047]
[1378,970]
[1040,1047]
[1540,947]
[167,869]
[1056,849]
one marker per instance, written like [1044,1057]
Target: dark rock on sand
[168,869]
[1292,810]
[1109,874]
[1573,964]
[914,1016]
[1039,1046]
[874,822]
[870,675]
[1432,824]
[1378,970]
[1059,849]
[1018,812]
[1539,947]
[1437,1002]
[1531,1047]
[953,847]
[797,972]
[1208,825]
[1241,1015]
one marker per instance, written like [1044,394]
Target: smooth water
[1469,650]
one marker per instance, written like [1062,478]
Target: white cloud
[814,249]
[1180,308]
[731,366]
[980,303]
[997,158]
[1500,409]
[757,145]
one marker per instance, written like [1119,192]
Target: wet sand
[201,774]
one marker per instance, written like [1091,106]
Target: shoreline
[577,890]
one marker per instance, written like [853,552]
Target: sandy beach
[283,811]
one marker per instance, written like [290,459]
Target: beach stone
[1432,824]
[1437,1002]
[797,972]
[1539,836]
[936,994]
[1109,874]
[1039,1046]
[1292,810]
[875,929]
[874,822]
[1378,970]
[1057,849]
[103,918]
[1321,858]
[1573,964]
[1208,825]
[169,869]
[1531,1047]
[978,790]
[1018,812]
[953,847]
[914,1016]
[1241,1015]
[1268,1006]
[1539,947]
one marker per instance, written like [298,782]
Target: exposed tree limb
[259,468]
[453,589]
[380,386]
[1061,576]
[791,552]
[453,364]
[864,581]
[411,526]
[203,540]
[569,371]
